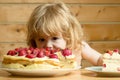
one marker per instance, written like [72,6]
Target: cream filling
[111,65]
[33,59]
[70,56]
[115,55]
[32,66]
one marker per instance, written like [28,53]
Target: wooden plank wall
[100,20]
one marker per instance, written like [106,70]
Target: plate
[98,70]
[39,72]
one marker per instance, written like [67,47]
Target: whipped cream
[114,55]
[70,56]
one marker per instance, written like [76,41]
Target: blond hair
[51,19]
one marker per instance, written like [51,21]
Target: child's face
[51,41]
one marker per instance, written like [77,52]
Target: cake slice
[111,61]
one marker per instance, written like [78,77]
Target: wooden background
[100,20]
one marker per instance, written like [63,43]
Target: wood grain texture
[13,33]
[66,1]
[93,32]
[84,13]
[102,46]
[102,32]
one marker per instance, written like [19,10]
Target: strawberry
[17,49]
[47,53]
[116,50]
[48,48]
[40,54]
[30,56]
[66,52]
[35,51]
[25,49]
[53,56]
[11,52]
[31,48]
[104,65]
[22,53]
[52,51]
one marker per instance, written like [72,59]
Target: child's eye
[55,38]
[41,39]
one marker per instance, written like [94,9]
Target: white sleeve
[90,54]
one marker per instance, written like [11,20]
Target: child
[53,25]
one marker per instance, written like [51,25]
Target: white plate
[40,72]
[98,70]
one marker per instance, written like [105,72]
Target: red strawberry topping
[31,48]
[66,52]
[22,53]
[36,52]
[11,52]
[104,65]
[30,56]
[41,53]
[53,56]
[48,48]
[47,53]
[116,50]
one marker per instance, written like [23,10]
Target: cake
[111,61]
[34,58]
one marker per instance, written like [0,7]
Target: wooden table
[81,74]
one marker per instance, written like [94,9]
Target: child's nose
[49,44]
